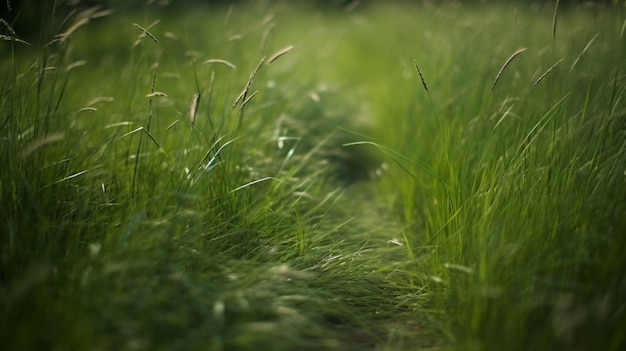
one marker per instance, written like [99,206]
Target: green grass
[338,204]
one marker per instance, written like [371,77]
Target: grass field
[290,176]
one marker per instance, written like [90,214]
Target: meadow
[284,175]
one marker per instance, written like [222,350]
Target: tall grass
[282,176]
[136,220]
[518,203]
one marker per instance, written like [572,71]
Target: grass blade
[582,53]
[554,17]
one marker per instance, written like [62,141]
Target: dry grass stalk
[145,31]
[13,36]
[508,61]
[99,14]
[171,36]
[241,96]
[68,33]
[244,93]
[546,72]
[193,108]
[229,13]
[224,62]
[556,12]
[421,76]
[156,94]
[583,52]
[279,54]
[267,19]
[48,139]
[172,124]
[150,101]
[100,99]
[8,26]
[266,35]
[82,18]
[248,99]
[75,64]
[88,109]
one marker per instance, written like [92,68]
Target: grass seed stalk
[505,65]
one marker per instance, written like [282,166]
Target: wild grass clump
[126,229]
[508,193]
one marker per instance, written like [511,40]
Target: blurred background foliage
[27,16]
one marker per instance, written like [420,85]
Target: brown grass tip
[224,62]
[193,108]
[279,53]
